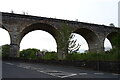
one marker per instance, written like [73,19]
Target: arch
[110,37]
[91,38]
[13,47]
[40,26]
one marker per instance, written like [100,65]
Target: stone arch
[40,26]
[13,50]
[91,38]
[110,37]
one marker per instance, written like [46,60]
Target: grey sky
[91,11]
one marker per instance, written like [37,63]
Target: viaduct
[19,25]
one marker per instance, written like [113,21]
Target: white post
[119,14]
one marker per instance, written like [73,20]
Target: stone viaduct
[19,25]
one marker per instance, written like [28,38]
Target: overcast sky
[91,11]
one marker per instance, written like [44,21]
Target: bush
[113,55]
[85,56]
[5,51]
[29,53]
[36,54]
[50,56]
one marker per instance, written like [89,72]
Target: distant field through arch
[42,41]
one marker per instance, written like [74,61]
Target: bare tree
[66,42]
[73,46]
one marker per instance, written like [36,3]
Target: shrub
[50,56]
[113,55]
[29,53]
[5,51]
